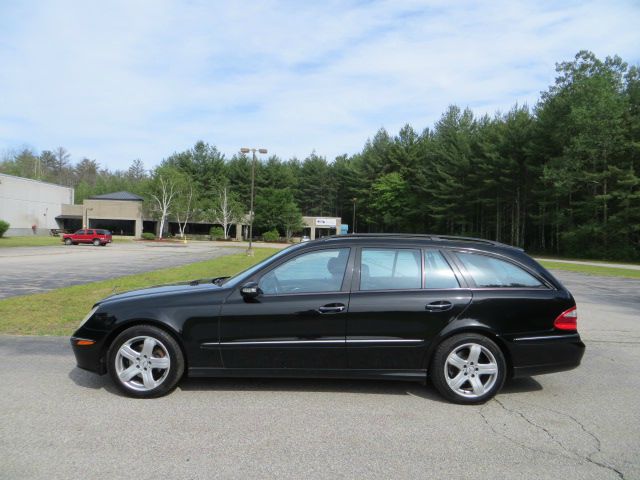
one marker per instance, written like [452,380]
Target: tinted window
[80,232]
[438,272]
[320,271]
[390,269]
[491,272]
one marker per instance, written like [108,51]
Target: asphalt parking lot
[61,422]
[28,270]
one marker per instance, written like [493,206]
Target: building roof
[35,181]
[127,196]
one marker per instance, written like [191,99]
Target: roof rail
[426,236]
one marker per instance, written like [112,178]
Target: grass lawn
[59,312]
[32,241]
[592,269]
[41,241]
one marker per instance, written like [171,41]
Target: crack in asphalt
[512,440]
[572,454]
[592,435]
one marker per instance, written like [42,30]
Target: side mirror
[250,291]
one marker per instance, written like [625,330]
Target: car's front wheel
[67,241]
[468,368]
[145,361]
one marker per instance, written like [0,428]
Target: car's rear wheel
[67,241]
[468,368]
[96,242]
[145,362]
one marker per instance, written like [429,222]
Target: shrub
[271,236]
[148,236]
[216,233]
[4,226]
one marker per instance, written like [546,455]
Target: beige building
[321,226]
[119,212]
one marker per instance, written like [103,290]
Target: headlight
[89,315]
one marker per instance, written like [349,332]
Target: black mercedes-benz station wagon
[464,312]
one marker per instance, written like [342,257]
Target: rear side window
[489,272]
[390,269]
[438,273]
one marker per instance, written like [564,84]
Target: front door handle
[332,308]
[439,306]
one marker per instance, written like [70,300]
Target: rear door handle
[439,306]
[332,308]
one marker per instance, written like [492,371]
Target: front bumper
[545,354]
[88,356]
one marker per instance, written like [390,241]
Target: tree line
[560,178]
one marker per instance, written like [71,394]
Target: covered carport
[117,227]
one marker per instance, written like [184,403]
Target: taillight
[567,320]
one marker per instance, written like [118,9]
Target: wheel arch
[135,323]
[474,328]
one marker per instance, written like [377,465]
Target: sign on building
[325,222]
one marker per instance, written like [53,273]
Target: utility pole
[253,179]
[353,226]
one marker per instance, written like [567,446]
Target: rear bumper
[88,357]
[545,354]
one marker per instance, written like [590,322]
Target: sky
[119,80]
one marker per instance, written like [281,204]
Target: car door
[87,237]
[298,320]
[401,298]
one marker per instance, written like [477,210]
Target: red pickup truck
[89,235]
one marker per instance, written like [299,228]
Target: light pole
[86,214]
[253,179]
[353,227]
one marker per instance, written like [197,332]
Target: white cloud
[124,80]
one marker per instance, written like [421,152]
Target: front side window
[319,271]
[80,232]
[489,272]
[390,269]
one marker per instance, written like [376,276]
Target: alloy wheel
[142,363]
[471,370]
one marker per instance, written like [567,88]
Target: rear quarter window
[490,272]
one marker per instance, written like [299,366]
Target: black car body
[365,306]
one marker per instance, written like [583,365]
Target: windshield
[242,276]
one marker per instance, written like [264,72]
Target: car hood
[169,289]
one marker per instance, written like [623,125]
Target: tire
[133,373]
[456,363]
[67,241]
[96,242]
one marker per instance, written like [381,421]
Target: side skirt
[404,375]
